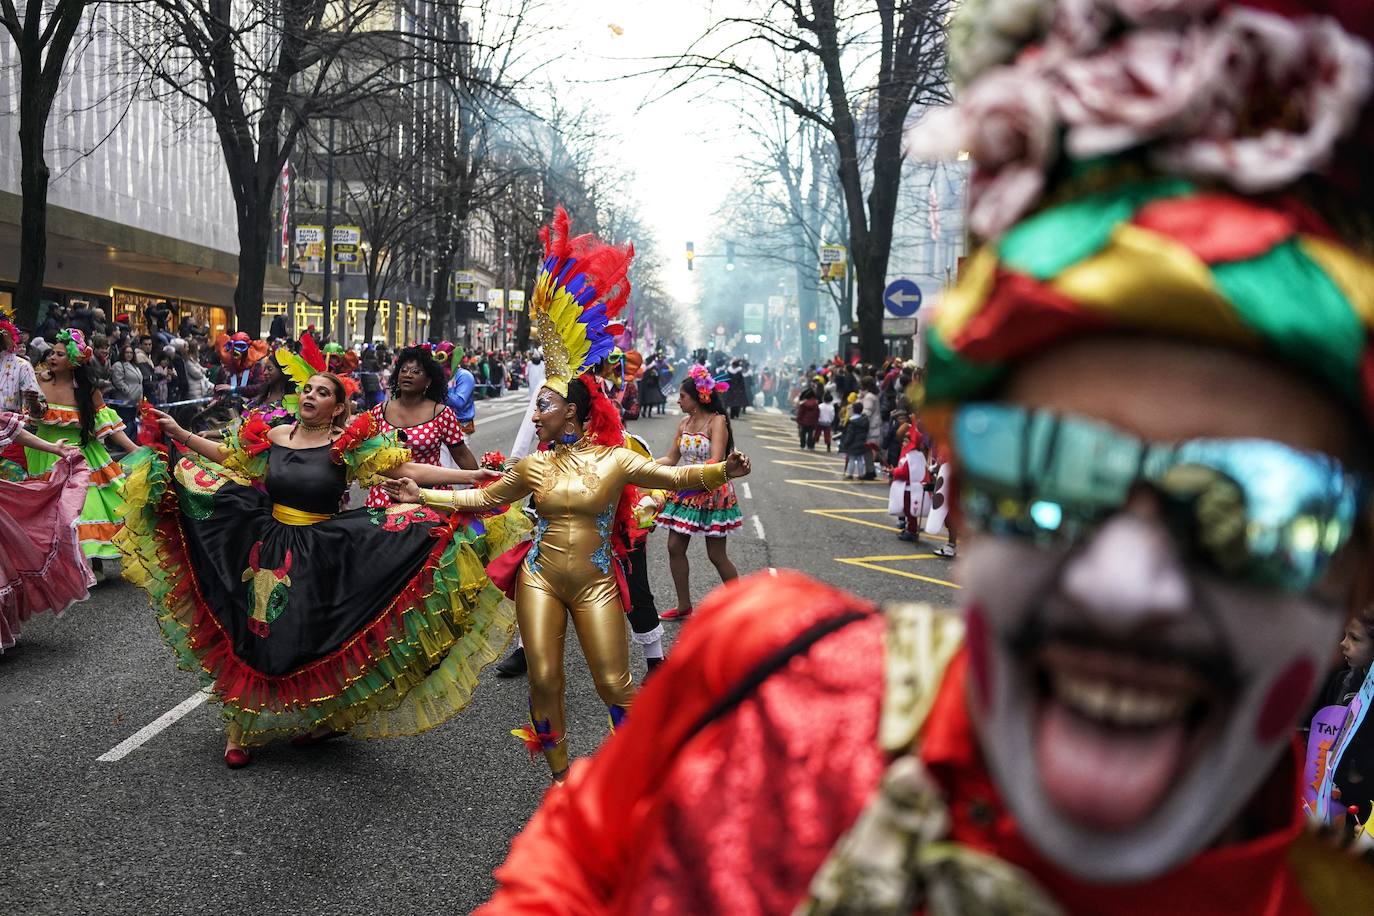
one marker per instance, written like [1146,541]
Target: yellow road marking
[829,485]
[873,564]
[843,515]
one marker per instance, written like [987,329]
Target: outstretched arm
[513,485]
[654,476]
[431,475]
[198,444]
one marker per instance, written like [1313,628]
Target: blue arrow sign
[902,298]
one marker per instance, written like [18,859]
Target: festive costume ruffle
[99,521]
[41,566]
[377,622]
[714,513]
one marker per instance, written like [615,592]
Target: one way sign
[902,298]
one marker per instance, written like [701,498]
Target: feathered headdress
[7,329]
[299,367]
[581,289]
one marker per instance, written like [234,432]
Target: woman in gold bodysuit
[582,484]
[570,568]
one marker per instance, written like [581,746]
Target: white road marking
[758,526]
[147,732]
[748,494]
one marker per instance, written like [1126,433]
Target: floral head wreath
[1187,168]
[75,344]
[705,383]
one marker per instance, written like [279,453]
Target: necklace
[314,428]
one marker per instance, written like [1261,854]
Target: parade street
[117,801]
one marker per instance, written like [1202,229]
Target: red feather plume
[311,353]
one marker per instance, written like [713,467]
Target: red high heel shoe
[236,758]
[674,614]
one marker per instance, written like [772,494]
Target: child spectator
[854,441]
[825,420]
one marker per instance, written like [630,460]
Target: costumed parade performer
[306,621]
[703,436]
[1153,386]
[275,400]
[583,487]
[514,665]
[240,356]
[462,387]
[417,414]
[42,567]
[77,413]
[19,391]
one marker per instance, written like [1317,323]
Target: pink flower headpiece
[706,384]
[1227,92]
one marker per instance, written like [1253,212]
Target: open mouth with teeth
[1115,730]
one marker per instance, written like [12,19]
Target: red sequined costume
[756,748]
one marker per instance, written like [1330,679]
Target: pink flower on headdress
[1321,75]
[1006,123]
[1157,12]
[1148,84]
[705,383]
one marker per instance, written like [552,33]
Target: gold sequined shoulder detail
[921,642]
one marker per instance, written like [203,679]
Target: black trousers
[643,614]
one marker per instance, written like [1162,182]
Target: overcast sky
[681,149]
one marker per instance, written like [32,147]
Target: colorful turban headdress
[581,289]
[1185,168]
[705,383]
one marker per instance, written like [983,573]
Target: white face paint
[1127,706]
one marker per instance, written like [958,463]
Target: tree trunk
[255,233]
[33,184]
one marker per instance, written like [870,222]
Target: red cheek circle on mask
[979,655]
[1286,698]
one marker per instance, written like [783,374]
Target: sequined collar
[562,449]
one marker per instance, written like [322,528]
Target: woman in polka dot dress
[419,416]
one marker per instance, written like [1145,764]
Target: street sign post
[347,239]
[902,298]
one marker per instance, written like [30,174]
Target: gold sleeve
[507,490]
[653,476]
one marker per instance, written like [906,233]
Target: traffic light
[729,255]
[691,254]
[811,325]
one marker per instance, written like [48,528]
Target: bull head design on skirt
[267,590]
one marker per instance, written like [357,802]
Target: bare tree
[880,58]
[263,69]
[42,34]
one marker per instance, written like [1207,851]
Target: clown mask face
[1130,699]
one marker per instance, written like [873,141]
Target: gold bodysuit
[569,568]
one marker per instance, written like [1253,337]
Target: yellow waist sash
[288,516]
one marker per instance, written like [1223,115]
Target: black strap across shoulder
[797,646]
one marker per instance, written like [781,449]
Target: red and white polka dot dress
[426,442]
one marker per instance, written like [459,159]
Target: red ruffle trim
[240,685]
[359,431]
[253,434]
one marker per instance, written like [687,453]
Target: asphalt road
[354,827]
